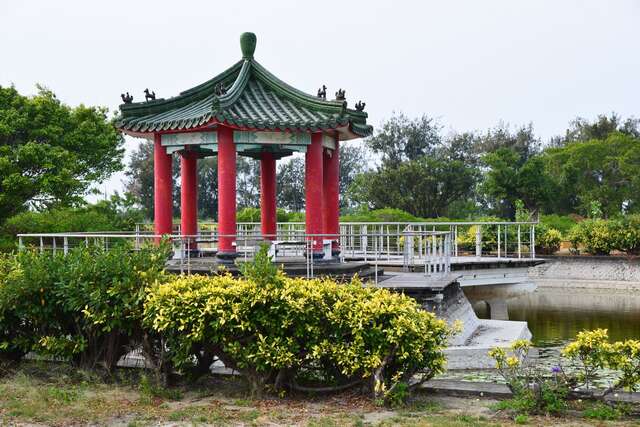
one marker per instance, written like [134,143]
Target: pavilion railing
[433,246]
[501,239]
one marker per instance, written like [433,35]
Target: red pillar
[226,193]
[189,195]
[162,188]
[313,187]
[331,202]
[268,214]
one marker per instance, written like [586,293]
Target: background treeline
[52,155]
[412,165]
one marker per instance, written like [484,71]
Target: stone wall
[588,272]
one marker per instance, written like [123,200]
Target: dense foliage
[114,214]
[304,334]
[85,307]
[50,153]
[601,236]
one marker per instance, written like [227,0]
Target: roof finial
[248,45]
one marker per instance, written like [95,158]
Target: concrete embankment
[618,273]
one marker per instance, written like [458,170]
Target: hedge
[281,332]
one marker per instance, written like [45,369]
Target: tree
[513,169]
[604,171]
[508,180]
[522,141]
[581,129]
[424,187]
[248,182]
[140,182]
[353,161]
[402,139]
[290,183]
[421,172]
[50,153]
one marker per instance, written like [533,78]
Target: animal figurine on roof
[127,99]
[340,95]
[360,106]
[149,96]
[322,92]
[220,89]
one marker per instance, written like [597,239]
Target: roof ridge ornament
[220,89]
[149,96]
[322,92]
[127,99]
[360,106]
[340,95]
[248,45]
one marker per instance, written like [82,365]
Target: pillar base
[498,309]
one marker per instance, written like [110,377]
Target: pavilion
[246,110]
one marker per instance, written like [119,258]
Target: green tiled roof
[247,96]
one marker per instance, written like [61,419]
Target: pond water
[555,316]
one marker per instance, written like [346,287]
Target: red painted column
[313,182]
[331,202]
[226,193]
[189,196]
[268,214]
[162,188]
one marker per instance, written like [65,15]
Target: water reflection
[555,316]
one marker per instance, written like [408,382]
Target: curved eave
[197,93]
[198,106]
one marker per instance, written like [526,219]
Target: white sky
[469,63]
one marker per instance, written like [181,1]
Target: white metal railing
[433,246]
[436,256]
[501,239]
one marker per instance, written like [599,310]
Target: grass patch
[59,396]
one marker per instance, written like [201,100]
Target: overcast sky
[469,63]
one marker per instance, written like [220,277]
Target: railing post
[65,245]
[364,241]
[519,247]
[54,246]
[506,248]
[20,243]
[455,239]
[478,241]
[498,240]
[41,245]
[532,239]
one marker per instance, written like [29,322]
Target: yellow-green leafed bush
[295,332]
[548,240]
[593,351]
[627,234]
[595,235]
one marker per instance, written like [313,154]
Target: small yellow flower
[513,362]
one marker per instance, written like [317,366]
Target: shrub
[627,234]
[560,222]
[597,236]
[249,214]
[108,215]
[86,306]
[380,215]
[305,334]
[547,240]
